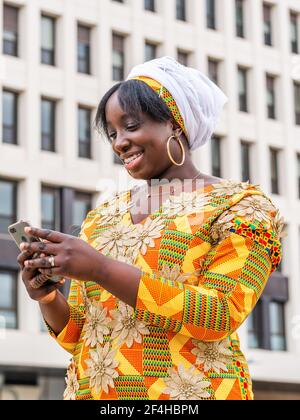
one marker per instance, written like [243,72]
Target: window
[297,102]
[255,339]
[118,58]
[181,10]
[271,97]
[183,58]
[243,89]
[8,298]
[266,325]
[294,33]
[8,207]
[48,41]
[211,14]
[268,35]
[149,5]
[51,208]
[84,50]
[216,157]
[277,326]
[150,51]
[246,161]
[298,167]
[239,11]
[81,206]
[10,117]
[213,70]
[10,30]
[84,132]
[48,125]
[274,155]
[8,204]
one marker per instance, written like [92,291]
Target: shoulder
[248,205]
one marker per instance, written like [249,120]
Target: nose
[121,143]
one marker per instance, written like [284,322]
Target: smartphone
[17,232]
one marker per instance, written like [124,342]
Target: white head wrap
[199,100]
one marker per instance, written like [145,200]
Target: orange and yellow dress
[205,258]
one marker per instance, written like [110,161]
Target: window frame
[87,59]
[211,15]
[246,146]
[268,24]
[87,142]
[243,96]
[15,126]
[240,26]
[118,47]
[12,219]
[51,136]
[50,52]
[57,216]
[15,32]
[216,171]
[15,307]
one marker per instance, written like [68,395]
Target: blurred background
[58,58]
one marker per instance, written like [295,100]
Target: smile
[133,162]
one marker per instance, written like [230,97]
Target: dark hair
[135,98]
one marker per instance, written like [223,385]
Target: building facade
[58,58]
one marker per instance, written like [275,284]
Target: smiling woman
[133,111]
[157,298]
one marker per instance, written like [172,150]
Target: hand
[37,285]
[73,257]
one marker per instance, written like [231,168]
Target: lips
[135,163]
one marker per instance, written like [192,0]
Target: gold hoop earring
[182,148]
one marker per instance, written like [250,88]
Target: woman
[158,295]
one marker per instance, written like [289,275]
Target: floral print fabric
[196,255]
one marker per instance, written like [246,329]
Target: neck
[176,173]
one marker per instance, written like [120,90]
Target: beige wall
[32,167]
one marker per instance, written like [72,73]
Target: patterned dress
[205,258]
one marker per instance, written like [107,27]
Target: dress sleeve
[70,335]
[232,278]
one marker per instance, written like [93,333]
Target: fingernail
[26,263]
[27,230]
[23,246]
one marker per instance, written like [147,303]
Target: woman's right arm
[56,312]
[53,305]
[64,318]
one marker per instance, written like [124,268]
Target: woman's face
[131,136]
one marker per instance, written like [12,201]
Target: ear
[176,129]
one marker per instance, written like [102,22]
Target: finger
[22,257]
[50,271]
[39,263]
[47,248]
[50,235]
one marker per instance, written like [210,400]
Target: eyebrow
[123,118]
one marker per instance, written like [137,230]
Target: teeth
[129,160]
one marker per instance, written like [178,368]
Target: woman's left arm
[76,259]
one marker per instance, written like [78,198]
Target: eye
[132,127]
[112,136]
